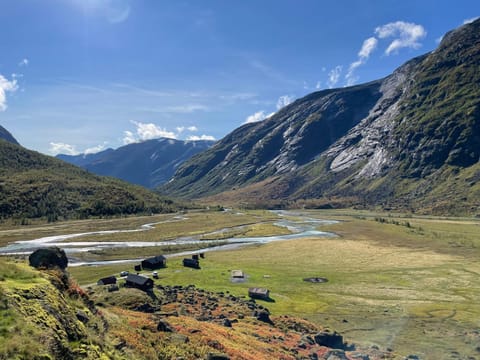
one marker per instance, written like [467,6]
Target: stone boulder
[48,258]
[332,340]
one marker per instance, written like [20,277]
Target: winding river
[303,226]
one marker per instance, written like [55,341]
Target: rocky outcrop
[48,258]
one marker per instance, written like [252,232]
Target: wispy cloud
[334,76]
[114,11]
[270,72]
[404,34]
[261,115]
[202,137]
[468,21]
[186,109]
[258,116]
[95,149]
[6,86]
[181,129]
[368,46]
[284,101]
[24,62]
[62,148]
[129,137]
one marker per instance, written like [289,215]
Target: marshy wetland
[407,283]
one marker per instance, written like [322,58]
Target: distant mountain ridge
[408,141]
[5,135]
[149,163]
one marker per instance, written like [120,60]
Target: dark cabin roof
[138,280]
[155,259]
[108,280]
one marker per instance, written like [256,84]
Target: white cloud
[181,129]
[95,149]
[23,62]
[368,46]
[129,137]
[318,86]
[6,86]
[468,21]
[148,131]
[334,76]
[258,116]
[62,148]
[284,101]
[203,137]
[406,35]
[152,131]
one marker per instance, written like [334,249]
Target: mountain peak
[5,135]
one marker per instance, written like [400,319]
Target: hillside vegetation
[33,185]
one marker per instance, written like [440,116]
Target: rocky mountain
[5,135]
[33,185]
[410,141]
[149,163]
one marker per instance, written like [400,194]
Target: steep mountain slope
[34,185]
[414,141]
[149,163]
[84,159]
[294,136]
[5,135]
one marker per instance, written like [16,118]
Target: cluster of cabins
[158,262]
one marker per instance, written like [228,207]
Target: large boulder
[332,340]
[48,258]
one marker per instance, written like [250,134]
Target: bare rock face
[48,258]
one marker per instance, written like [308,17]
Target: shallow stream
[301,226]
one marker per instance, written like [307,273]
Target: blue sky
[84,75]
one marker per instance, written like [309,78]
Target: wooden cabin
[153,263]
[192,263]
[259,293]
[139,282]
[107,280]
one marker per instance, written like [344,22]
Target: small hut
[154,263]
[139,282]
[237,274]
[259,293]
[192,263]
[107,280]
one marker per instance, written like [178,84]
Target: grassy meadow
[407,283]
